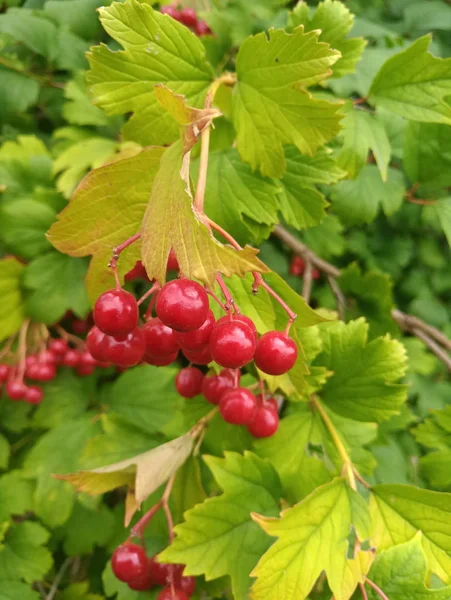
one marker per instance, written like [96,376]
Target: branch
[432,337]
[58,578]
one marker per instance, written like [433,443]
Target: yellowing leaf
[106,209]
[170,222]
[12,304]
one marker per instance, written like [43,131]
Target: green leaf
[57,451]
[79,591]
[11,308]
[335,22]
[364,384]
[87,528]
[218,536]
[17,93]
[360,200]
[157,49]
[414,84]
[4,452]
[427,153]
[313,537]
[15,590]
[170,222]
[55,284]
[106,210]
[400,511]
[327,239]
[402,572]
[35,31]
[15,495]
[22,555]
[188,490]
[442,209]
[424,17]
[362,132]
[76,15]
[271,106]
[79,109]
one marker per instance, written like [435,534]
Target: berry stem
[156,286]
[376,588]
[148,312]
[363,590]
[70,337]
[225,234]
[117,251]
[225,290]
[167,510]
[138,529]
[7,347]
[215,297]
[260,282]
[22,349]
[307,281]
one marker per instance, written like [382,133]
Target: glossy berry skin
[297,266]
[159,572]
[265,423]
[46,357]
[96,343]
[15,390]
[129,562]
[58,346]
[160,340]
[171,11]
[45,372]
[189,382]
[194,341]
[173,264]
[71,358]
[141,584]
[242,319]
[182,304]
[214,386]
[34,394]
[201,357]
[116,312]
[126,352]
[4,372]
[232,344]
[85,370]
[276,353]
[202,28]
[186,584]
[238,406]
[188,17]
[168,593]
[162,361]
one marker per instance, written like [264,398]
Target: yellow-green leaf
[12,304]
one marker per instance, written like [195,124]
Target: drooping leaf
[22,553]
[12,305]
[157,49]
[414,84]
[313,537]
[271,106]
[218,536]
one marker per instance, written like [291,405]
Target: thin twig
[363,590]
[377,589]
[58,578]
[307,281]
[339,296]
[433,346]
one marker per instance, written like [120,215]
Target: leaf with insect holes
[335,21]
[106,209]
[415,84]
[313,538]
[170,222]
[12,305]
[143,473]
[192,120]
[157,49]
[400,511]
[271,106]
[218,537]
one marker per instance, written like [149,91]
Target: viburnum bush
[224,265]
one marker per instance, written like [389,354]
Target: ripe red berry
[213,387]
[138,272]
[58,346]
[141,584]
[168,593]
[162,361]
[171,11]
[15,390]
[188,17]
[232,344]
[189,382]
[87,359]
[272,404]
[200,357]
[238,406]
[316,274]
[276,353]
[33,394]
[46,357]
[126,352]
[193,341]
[173,264]
[85,370]
[32,369]
[202,28]
[116,312]
[265,423]
[182,304]
[297,266]
[242,319]
[71,358]
[96,343]
[160,340]
[159,572]
[129,562]
[185,583]
[80,326]
[4,372]
[45,372]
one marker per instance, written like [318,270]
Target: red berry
[213,387]
[126,352]
[71,358]
[159,572]
[297,266]
[272,404]
[129,562]
[265,423]
[15,389]
[202,28]
[58,346]
[168,593]
[116,312]
[238,406]
[162,361]
[231,374]
[97,343]
[80,326]
[242,319]
[141,584]
[188,17]
[45,372]
[276,353]
[46,357]
[34,394]
[182,305]
[171,11]
[32,370]
[185,583]
[87,359]
[85,370]
[173,264]
[200,357]
[4,372]
[160,340]
[193,341]
[316,274]
[138,272]
[189,382]
[232,344]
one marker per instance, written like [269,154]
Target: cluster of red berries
[188,17]
[131,565]
[297,268]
